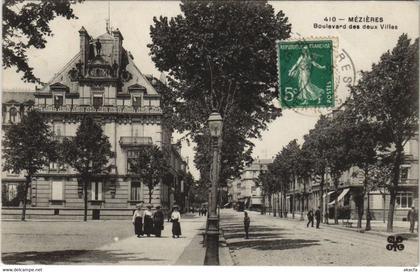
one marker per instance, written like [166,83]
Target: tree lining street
[275,241]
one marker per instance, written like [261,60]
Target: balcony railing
[61,138]
[409,182]
[98,109]
[135,141]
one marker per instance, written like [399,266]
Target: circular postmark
[314,74]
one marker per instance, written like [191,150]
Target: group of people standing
[311,216]
[147,222]
[202,211]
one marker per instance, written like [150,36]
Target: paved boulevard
[275,241]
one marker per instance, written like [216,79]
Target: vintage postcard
[210,133]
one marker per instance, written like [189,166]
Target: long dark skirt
[148,225]
[176,228]
[158,228]
[138,226]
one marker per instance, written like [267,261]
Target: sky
[133,18]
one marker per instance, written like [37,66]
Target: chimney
[84,47]
[118,38]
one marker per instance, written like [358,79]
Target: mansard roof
[137,77]
[17,97]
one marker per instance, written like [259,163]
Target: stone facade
[244,189]
[103,81]
[306,193]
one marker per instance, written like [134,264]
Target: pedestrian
[318,217]
[412,217]
[247,221]
[148,221]
[310,218]
[176,225]
[158,219]
[199,211]
[138,220]
[204,211]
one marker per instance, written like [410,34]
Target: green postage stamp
[306,73]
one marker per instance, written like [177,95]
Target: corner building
[103,81]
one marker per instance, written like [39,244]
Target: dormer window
[97,100]
[12,115]
[136,101]
[58,101]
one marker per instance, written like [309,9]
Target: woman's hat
[158,207]
[138,205]
[176,206]
[149,206]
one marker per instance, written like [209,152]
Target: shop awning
[340,197]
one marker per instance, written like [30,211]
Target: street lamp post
[215,123]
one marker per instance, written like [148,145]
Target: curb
[225,258]
[362,231]
[371,232]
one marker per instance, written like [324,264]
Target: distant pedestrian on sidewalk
[148,221]
[158,219]
[412,217]
[318,217]
[247,221]
[138,220]
[310,218]
[176,225]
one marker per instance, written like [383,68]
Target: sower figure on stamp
[412,217]
[138,220]
[176,225]
[158,219]
[318,217]
[302,70]
[247,222]
[310,218]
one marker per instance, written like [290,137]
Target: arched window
[12,114]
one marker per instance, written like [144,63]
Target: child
[247,221]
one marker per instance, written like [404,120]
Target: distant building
[305,194]
[102,81]
[245,189]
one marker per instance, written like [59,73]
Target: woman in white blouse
[176,225]
[138,220]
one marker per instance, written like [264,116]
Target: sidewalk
[377,227]
[111,242]
[186,250]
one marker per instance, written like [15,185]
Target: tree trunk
[293,197]
[366,189]
[150,196]
[368,215]
[85,191]
[360,208]
[25,196]
[274,206]
[336,202]
[285,205]
[395,180]
[279,205]
[321,197]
